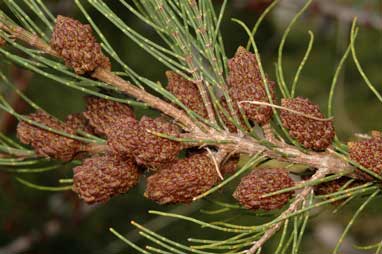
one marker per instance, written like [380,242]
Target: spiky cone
[122,136]
[102,113]
[183,180]
[335,186]
[100,178]
[247,85]
[260,182]
[187,92]
[45,142]
[79,122]
[367,153]
[311,133]
[153,149]
[243,68]
[256,92]
[75,43]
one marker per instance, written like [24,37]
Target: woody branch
[198,131]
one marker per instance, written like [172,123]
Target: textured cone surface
[100,178]
[78,122]
[254,92]
[46,143]
[152,149]
[75,43]
[103,113]
[260,182]
[243,69]
[187,92]
[247,85]
[155,167]
[312,134]
[122,136]
[335,186]
[367,153]
[183,180]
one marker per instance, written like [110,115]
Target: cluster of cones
[134,144]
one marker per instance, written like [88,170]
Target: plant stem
[153,101]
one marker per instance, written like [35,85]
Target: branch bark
[232,141]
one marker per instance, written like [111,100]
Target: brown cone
[243,68]
[75,43]
[312,134]
[102,113]
[152,149]
[79,122]
[122,136]
[183,180]
[47,143]
[187,92]
[260,182]
[247,85]
[102,177]
[368,153]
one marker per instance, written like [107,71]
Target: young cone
[368,153]
[122,136]
[101,177]
[75,43]
[187,92]
[260,182]
[47,143]
[183,180]
[311,133]
[102,113]
[152,149]
[78,122]
[247,85]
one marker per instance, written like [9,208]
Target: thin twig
[153,101]
[105,76]
[198,131]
